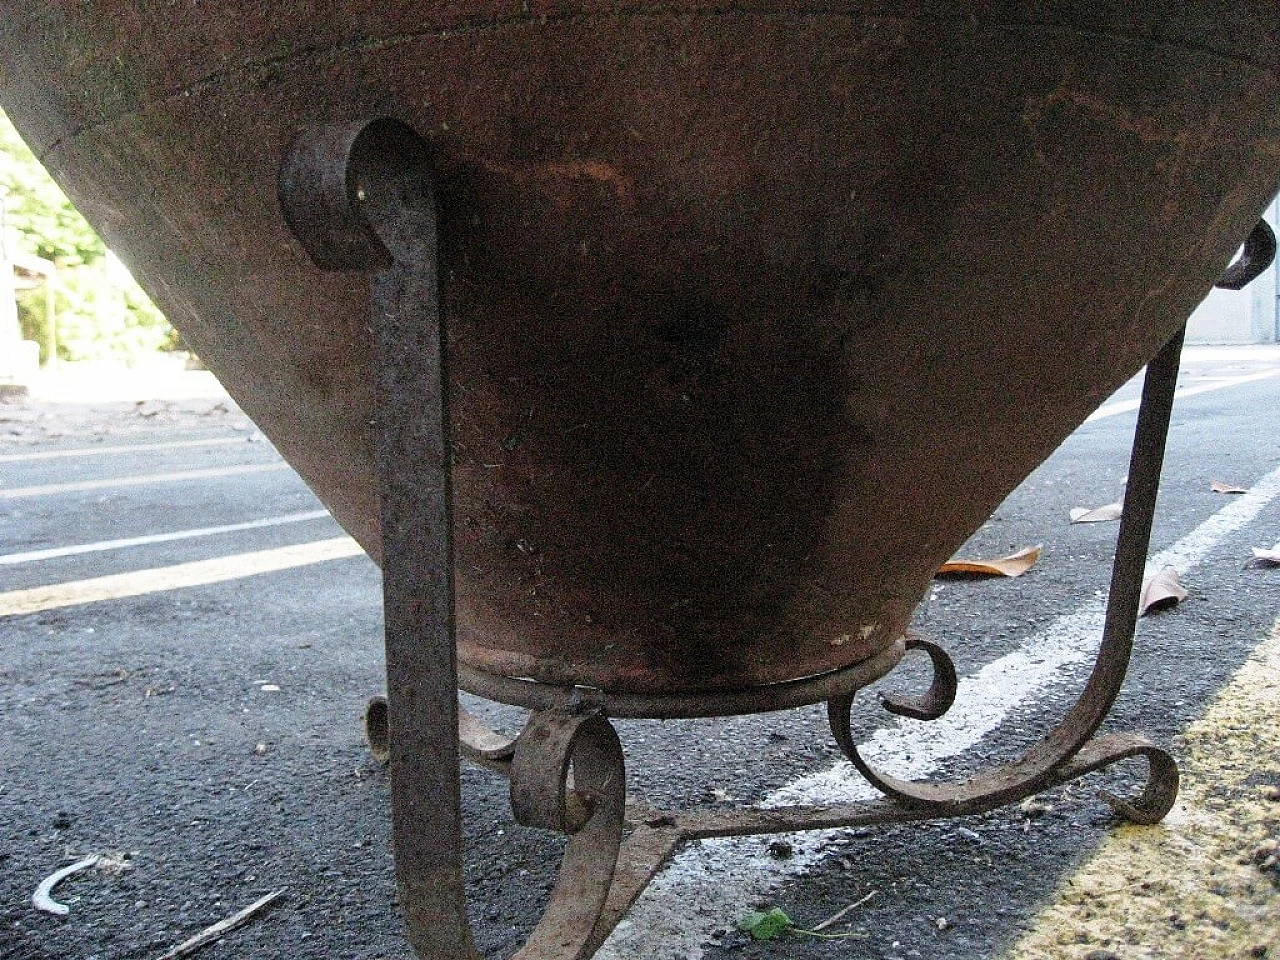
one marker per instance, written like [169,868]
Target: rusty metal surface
[675,706]
[568,776]
[736,363]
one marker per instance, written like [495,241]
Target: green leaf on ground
[773,923]
[766,925]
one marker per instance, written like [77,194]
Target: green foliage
[41,213]
[101,312]
[766,925]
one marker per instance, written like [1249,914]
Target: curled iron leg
[477,742]
[482,745]
[1159,792]
[361,197]
[930,705]
[935,701]
[1014,781]
[567,775]
[1258,254]
[1043,764]
[377,733]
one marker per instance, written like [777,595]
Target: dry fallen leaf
[1161,591]
[1084,515]
[1267,558]
[1014,565]
[1219,487]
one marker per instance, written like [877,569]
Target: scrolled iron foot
[477,742]
[1035,772]
[1160,790]
[377,733]
[567,775]
[935,701]
[1259,253]
[931,705]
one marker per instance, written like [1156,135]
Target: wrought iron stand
[360,197]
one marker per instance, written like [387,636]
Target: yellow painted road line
[1201,885]
[79,486]
[37,599]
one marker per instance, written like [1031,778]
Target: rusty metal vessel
[755,311]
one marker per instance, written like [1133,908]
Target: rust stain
[598,170]
[563,180]
[1144,127]
[1189,143]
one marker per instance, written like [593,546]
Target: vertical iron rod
[417,579]
[1146,461]
[361,197]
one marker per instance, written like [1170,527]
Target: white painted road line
[81,486]
[121,448]
[708,885]
[176,577]
[10,559]
[1126,406]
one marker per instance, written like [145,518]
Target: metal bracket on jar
[1259,252]
[361,197]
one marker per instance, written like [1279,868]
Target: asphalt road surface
[187,642]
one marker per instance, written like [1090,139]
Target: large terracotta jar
[755,310]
